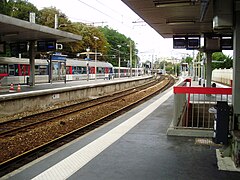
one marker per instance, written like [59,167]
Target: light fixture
[174,3]
[62,25]
[87,52]
[184,22]
[10,34]
[171,4]
[96,38]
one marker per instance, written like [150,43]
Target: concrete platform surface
[55,85]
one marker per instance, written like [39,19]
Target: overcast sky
[118,16]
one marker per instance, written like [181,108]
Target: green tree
[23,8]
[47,17]
[162,64]
[221,61]
[114,39]
[107,43]
[228,63]
[6,7]
[87,32]
[88,41]
[19,8]
[169,67]
[188,60]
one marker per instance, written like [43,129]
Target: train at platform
[17,70]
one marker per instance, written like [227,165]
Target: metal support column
[119,65]
[119,61]
[193,68]
[130,46]
[209,69]
[198,67]
[202,74]
[236,64]
[32,62]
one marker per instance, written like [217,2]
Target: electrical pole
[130,44]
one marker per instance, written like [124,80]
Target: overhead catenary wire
[97,10]
[138,22]
[82,20]
[106,6]
[111,17]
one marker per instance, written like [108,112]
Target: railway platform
[132,146]
[42,96]
[56,85]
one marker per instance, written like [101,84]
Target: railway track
[12,127]
[23,158]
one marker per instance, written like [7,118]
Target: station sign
[18,47]
[212,42]
[226,42]
[58,57]
[193,42]
[179,42]
[46,46]
[188,42]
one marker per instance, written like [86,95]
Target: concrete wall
[222,76]
[22,104]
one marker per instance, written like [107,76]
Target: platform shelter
[15,31]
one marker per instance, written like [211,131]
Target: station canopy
[172,17]
[16,30]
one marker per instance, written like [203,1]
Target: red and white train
[17,70]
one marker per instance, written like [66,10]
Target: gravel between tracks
[24,141]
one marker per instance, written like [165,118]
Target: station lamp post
[119,60]
[136,65]
[96,38]
[87,50]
